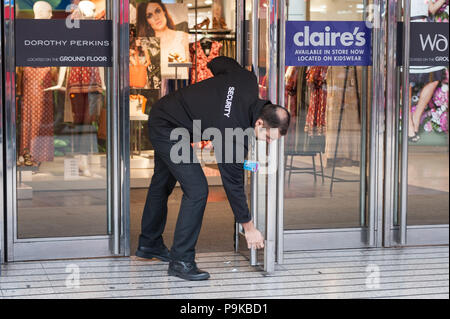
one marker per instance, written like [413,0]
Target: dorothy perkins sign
[327,43]
[42,43]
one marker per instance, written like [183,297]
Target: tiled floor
[419,272]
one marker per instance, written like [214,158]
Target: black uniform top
[228,100]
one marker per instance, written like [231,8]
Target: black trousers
[195,194]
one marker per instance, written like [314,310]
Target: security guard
[227,101]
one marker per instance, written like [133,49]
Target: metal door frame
[263,187]
[2,213]
[118,160]
[396,193]
[124,127]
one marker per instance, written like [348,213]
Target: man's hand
[255,239]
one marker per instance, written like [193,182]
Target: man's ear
[259,123]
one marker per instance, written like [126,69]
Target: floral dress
[200,65]
[442,15]
[316,118]
[435,117]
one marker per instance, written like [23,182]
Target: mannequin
[42,10]
[83,9]
[84,88]
[37,104]
[99,6]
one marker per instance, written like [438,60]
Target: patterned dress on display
[316,118]
[201,65]
[37,114]
[290,95]
[84,89]
[84,80]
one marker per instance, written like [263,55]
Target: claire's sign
[328,43]
[58,42]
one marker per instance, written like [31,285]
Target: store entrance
[328,176]
[354,161]
[164,58]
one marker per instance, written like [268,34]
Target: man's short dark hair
[276,116]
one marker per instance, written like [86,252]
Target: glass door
[418,119]
[331,153]
[63,158]
[197,32]
[260,54]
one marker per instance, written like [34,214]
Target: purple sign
[327,43]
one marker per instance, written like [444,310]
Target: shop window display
[429,85]
[61,136]
[428,157]
[182,38]
[171,43]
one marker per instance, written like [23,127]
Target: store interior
[62,141]
[202,30]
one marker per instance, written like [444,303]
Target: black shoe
[150,253]
[187,270]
